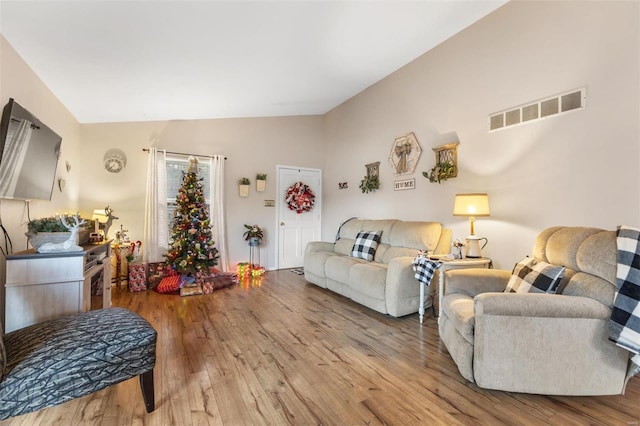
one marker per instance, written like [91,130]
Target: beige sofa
[553,344]
[387,283]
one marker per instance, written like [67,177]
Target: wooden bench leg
[146,384]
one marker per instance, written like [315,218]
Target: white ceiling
[112,61]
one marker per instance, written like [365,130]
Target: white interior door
[296,230]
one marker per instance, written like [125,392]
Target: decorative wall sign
[401,185]
[343,185]
[371,181]
[446,163]
[405,153]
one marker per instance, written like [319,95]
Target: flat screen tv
[29,152]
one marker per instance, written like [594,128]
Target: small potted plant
[253,234]
[261,182]
[369,183]
[441,171]
[243,186]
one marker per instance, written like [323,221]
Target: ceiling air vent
[536,110]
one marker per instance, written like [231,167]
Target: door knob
[281,223]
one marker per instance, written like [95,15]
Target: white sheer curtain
[219,233]
[14,153]
[156,224]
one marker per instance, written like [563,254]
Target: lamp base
[472,246]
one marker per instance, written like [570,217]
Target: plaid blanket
[425,269]
[624,327]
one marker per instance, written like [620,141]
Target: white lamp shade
[471,205]
[100,215]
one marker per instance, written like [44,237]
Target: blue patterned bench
[58,360]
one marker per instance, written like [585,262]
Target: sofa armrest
[474,281]
[402,289]
[539,305]
[319,246]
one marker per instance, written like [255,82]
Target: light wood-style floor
[288,352]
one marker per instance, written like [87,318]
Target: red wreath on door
[300,198]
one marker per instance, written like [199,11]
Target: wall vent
[537,110]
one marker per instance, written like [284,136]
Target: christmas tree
[191,251]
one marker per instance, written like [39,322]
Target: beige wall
[18,81]
[576,169]
[580,168]
[251,145]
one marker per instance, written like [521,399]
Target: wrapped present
[137,276]
[156,272]
[257,271]
[169,284]
[191,290]
[217,281]
[243,269]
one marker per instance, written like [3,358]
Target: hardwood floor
[288,352]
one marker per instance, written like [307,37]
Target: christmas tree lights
[192,250]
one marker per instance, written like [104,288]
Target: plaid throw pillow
[531,276]
[366,245]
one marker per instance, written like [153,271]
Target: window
[176,165]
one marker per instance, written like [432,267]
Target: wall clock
[115,160]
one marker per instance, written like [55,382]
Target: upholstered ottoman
[58,360]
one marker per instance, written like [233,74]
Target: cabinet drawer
[34,271]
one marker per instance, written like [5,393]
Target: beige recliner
[555,344]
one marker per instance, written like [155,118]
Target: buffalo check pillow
[366,245]
[532,276]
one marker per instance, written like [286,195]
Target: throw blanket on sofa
[624,327]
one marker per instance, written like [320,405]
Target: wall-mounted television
[29,152]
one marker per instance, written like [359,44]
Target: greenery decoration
[261,176]
[49,224]
[244,181]
[369,183]
[441,171]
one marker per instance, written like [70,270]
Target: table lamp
[98,216]
[472,206]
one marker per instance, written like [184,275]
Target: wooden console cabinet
[41,286]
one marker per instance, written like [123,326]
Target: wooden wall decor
[404,155]
[373,169]
[446,163]
[448,154]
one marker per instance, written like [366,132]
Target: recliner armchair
[540,343]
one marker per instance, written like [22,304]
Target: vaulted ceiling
[111,61]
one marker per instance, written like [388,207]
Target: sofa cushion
[416,235]
[369,279]
[365,245]
[337,267]
[532,276]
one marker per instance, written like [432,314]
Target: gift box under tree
[137,276]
